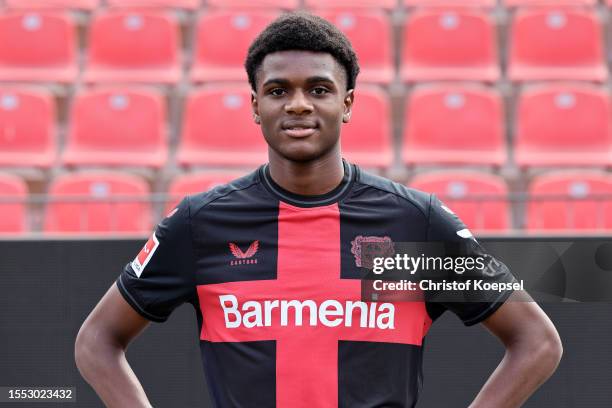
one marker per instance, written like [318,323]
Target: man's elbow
[548,351]
[84,351]
[554,349]
[92,351]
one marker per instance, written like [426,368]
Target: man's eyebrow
[279,81]
[320,79]
[310,80]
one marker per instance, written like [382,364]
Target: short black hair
[304,32]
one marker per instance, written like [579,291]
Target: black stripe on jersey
[244,373]
[240,214]
[377,207]
[378,374]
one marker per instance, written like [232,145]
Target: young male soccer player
[271,263]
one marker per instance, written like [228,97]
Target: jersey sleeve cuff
[134,303]
[491,308]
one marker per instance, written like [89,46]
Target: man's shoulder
[407,195]
[200,200]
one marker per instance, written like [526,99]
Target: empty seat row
[285,4]
[108,202]
[557,201]
[144,47]
[556,125]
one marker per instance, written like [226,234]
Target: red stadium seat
[479,199]
[218,129]
[553,44]
[13,194]
[242,4]
[177,4]
[24,141]
[370,35]
[454,124]
[366,139]
[193,183]
[98,202]
[134,47]
[86,5]
[452,3]
[117,127]
[449,45]
[562,124]
[556,3]
[224,60]
[570,201]
[37,47]
[352,4]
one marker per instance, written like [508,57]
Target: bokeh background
[112,110]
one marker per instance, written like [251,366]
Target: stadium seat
[554,44]
[454,124]
[86,5]
[117,127]
[570,201]
[224,60]
[171,4]
[479,199]
[13,195]
[449,45]
[141,47]
[352,4]
[366,139]
[37,47]
[451,3]
[25,142]
[557,3]
[562,124]
[243,4]
[193,183]
[98,202]
[218,129]
[370,35]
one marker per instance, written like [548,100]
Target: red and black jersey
[275,283]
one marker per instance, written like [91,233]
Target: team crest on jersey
[365,249]
[244,258]
[145,255]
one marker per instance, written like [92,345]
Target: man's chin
[302,150]
[301,156]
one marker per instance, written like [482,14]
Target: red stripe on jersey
[309,272]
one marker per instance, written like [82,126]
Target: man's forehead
[300,64]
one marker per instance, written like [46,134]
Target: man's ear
[348,105]
[255,107]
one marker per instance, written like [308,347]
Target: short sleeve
[161,277]
[471,306]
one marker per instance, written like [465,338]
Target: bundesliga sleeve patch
[145,255]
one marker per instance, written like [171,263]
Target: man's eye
[277,91]
[319,90]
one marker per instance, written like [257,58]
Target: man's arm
[100,351]
[533,351]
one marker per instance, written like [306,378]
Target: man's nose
[298,103]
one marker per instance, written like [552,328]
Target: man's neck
[307,178]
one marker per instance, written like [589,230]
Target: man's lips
[300,132]
[301,128]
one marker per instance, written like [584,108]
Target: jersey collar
[299,200]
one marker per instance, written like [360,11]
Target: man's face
[301,102]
